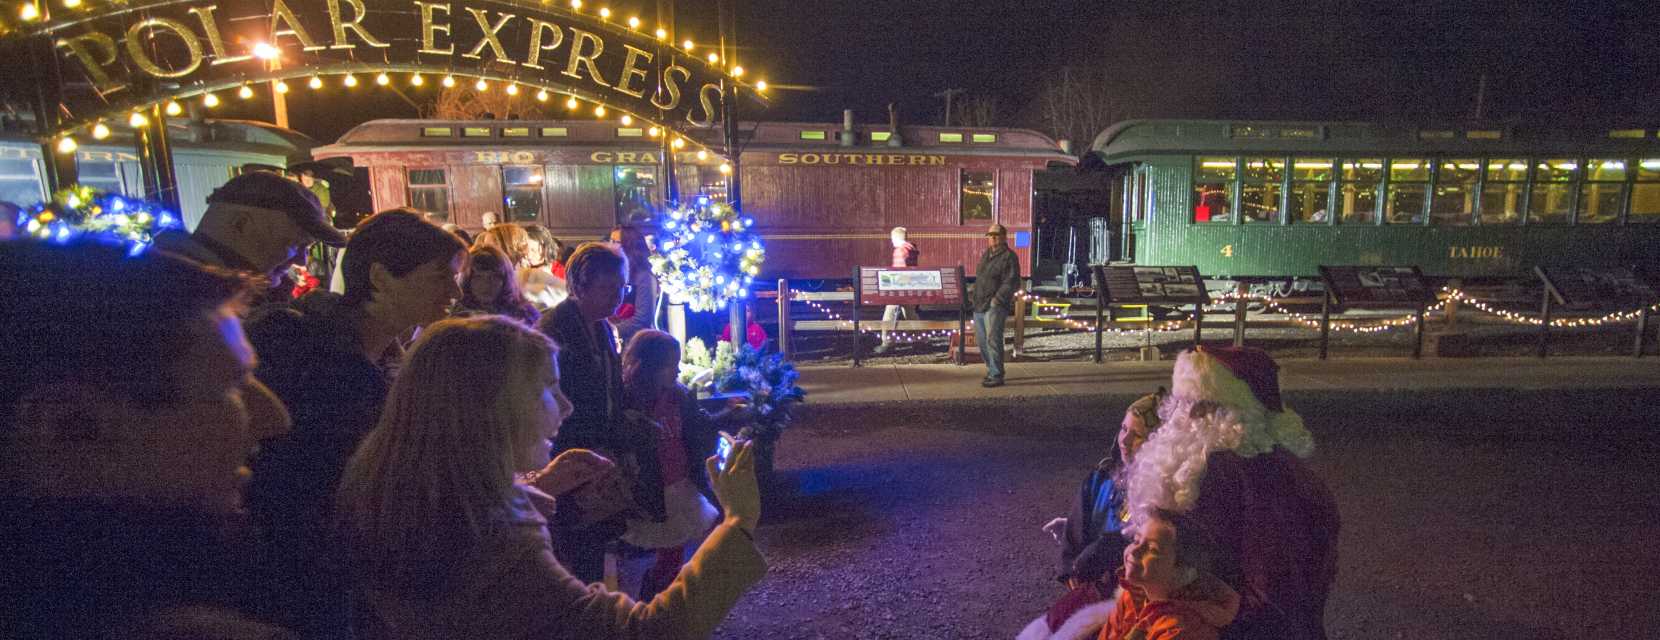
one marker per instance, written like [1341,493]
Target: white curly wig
[1209,409]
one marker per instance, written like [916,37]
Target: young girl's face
[670,373]
[485,285]
[1150,560]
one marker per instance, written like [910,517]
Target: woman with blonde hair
[448,545]
[511,239]
[488,286]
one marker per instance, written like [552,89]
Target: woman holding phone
[447,544]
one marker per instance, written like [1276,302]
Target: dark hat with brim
[270,191]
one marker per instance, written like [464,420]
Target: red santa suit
[1228,454]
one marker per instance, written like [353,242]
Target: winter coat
[511,587]
[1276,525]
[91,568]
[996,279]
[906,255]
[1092,546]
[309,356]
[1196,612]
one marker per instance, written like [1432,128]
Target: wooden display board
[1375,287]
[1117,285]
[1597,289]
[919,286]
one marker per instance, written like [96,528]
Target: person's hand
[570,470]
[1056,528]
[736,488]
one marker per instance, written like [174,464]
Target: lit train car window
[430,192]
[880,136]
[515,132]
[20,181]
[475,132]
[631,132]
[1261,184]
[1628,133]
[985,137]
[1552,199]
[812,135]
[1309,200]
[437,132]
[635,192]
[1455,192]
[979,193]
[1213,184]
[1645,195]
[1408,194]
[951,137]
[1602,195]
[1503,191]
[555,132]
[1360,181]
[522,193]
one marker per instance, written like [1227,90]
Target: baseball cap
[996,230]
[267,190]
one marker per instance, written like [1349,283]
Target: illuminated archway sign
[136,54]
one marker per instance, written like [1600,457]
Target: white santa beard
[1167,471]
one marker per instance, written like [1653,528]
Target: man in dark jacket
[259,222]
[133,373]
[590,374]
[995,281]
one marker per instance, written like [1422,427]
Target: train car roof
[209,135]
[1137,138]
[395,134]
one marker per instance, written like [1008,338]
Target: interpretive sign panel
[1607,288]
[1150,285]
[881,286]
[1396,287]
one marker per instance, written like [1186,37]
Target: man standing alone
[995,281]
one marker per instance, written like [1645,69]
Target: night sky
[1418,61]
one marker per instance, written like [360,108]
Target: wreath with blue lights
[82,211]
[707,255]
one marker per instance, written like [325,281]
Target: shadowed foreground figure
[1228,457]
[126,409]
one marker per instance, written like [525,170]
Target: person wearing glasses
[591,376]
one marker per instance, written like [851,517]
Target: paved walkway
[843,385]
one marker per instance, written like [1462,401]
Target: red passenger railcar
[823,201]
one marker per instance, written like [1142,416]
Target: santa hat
[1221,399]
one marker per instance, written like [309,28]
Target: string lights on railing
[1616,317]
[895,335]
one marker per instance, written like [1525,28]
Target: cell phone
[724,449]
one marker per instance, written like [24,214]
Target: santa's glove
[1056,528]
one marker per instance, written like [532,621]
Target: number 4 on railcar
[1277,199]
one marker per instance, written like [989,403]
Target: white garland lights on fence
[1311,322]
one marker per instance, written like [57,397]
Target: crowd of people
[427,451]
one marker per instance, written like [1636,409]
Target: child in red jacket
[1166,593]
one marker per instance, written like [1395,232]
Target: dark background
[1590,62]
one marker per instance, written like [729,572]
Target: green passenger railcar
[1277,199]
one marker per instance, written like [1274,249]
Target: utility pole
[948,94]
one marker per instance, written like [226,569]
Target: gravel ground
[1500,516]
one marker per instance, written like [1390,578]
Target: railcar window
[1503,191]
[1455,192]
[635,191]
[1552,198]
[20,181]
[979,193]
[430,192]
[522,193]
[1408,195]
[515,132]
[1357,193]
[1602,195]
[1213,185]
[103,176]
[1260,188]
[1645,196]
[1310,197]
